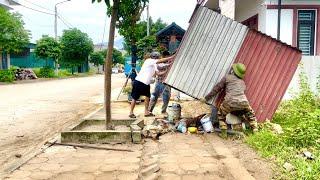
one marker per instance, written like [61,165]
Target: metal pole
[279,19]
[148,25]
[55,22]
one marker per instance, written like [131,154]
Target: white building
[300,25]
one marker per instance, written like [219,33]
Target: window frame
[314,33]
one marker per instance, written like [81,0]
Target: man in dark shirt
[235,100]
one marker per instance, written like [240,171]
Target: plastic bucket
[174,112]
[207,124]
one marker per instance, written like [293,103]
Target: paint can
[207,124]
[174,112]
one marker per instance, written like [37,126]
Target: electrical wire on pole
[36,10]
[42,7]
[104,31]
[65,21]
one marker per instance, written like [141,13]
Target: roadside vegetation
[300,121]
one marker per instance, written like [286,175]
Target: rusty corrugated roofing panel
[206,53]
[270,68]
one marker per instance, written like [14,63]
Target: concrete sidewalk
[173,156]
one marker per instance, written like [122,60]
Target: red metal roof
[270,68]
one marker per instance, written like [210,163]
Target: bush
[7,76]
[46,72]
[300,120]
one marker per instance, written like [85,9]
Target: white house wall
[286,24]
[294,2]
[310,66]
[228,8]
[248,8]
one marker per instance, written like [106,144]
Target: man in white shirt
[141,85]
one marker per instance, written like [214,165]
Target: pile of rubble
[24,74]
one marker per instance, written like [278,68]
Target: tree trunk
[108,64]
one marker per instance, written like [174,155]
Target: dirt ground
[30,113]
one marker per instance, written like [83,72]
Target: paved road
[33,112]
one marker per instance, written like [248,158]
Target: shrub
[7,76]
[46,72]
[64,73]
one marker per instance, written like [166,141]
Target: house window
[306,30]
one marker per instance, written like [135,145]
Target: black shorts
[140,89]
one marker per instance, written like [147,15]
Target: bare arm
[162,60]
[216,89]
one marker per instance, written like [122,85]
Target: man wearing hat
[235,100]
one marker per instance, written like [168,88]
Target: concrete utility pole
[148,25]
[56,29]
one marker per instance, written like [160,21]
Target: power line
[65,23]
[65,20]
[38,6]
[36,10]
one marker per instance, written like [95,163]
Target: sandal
[132,116]
[149,115]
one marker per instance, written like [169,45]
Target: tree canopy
[13,35]
[145,43]
[117,57]
[47,47]
[75,47]
[96,58]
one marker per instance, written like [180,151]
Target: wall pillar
[8,61]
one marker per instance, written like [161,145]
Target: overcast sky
[90,18]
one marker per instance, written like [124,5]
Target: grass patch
[300,120]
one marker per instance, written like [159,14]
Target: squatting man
[235,100]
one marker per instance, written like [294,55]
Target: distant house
[300,25]
[27,59]
[170,37]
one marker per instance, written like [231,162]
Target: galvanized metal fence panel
[206,54]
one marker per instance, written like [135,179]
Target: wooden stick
[91,147]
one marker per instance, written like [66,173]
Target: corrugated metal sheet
[213,43]
[206,53]
[270,68]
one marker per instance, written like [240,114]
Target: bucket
[207,124]
[174,112]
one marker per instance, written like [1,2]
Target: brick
[41,175]
[189,166]
[150,170]
[169,177]
[128,176]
